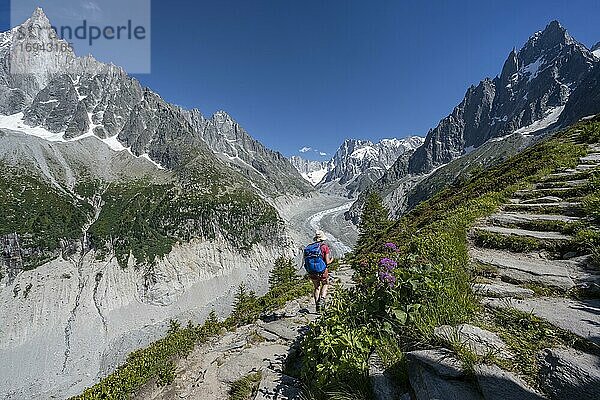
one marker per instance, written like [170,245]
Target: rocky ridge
[550,82]
[356,164]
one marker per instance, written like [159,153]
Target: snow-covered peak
[312,171]
[364,152]
[596,50]
[39,17]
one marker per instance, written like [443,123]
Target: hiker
[317,256]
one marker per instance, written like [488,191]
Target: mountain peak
[39,17]
[595,47]
[221,114]
[554,34]
[511,66]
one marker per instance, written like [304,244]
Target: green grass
[246,387]
[146,220]
[574,210]
[563,194]
[564,227]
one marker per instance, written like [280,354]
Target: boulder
[581,317]
[479,341]
[427,384]
[497,384]
[384,387]
[569,374]
[443,362]
[278,386]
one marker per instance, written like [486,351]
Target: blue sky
[312,73]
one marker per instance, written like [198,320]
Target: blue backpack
[313,259]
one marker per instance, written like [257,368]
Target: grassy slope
[137,217]
[433,276]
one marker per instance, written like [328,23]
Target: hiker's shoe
[321,306]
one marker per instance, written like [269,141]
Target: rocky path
[268,345]
[557,281]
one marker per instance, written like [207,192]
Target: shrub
[246,387]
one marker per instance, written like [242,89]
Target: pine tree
[282,274]
[245,302]
[374,219]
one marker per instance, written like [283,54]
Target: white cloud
[305,149]
[323,154]
[91,6]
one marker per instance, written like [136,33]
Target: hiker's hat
[320,236]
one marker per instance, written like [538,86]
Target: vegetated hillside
[414,273]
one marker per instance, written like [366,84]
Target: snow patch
[596,53]
[364,152]
[533,69]
[314,177]
[468,150]
[15,122]
[551,117]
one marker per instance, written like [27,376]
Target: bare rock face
[569,374]
[233,144]
[534,80]
[87,315]
[357,164]
[551,82]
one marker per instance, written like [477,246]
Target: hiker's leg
[324,288]
[317,290]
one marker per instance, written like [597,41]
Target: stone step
[523,218]
[546,199]
[581,168]
[580,317]
[501,289]
[547,192]
[541,235]
[591,158]
[564,208]
[543,199]
[565,176]
[527,268]
[569,373]
[561,184]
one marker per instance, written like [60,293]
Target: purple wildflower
[388,264]
[387,278]
[391,246]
